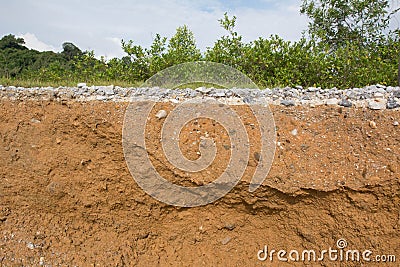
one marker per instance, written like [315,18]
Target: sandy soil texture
[67,197]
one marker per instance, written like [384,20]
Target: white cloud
[284,21]
[114,43]
[115,40]
[32,42]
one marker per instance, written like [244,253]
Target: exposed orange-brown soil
[67,197]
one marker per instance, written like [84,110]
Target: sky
[101,24]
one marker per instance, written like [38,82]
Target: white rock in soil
[379,95]
[101,97]
[203,90]
[30,245]
[332,101]
[377,104]
[226,240]
[109,90]
[220,93]
[161,114]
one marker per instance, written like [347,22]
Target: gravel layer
[376,97]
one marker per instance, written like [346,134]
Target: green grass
[38,83]
[199,84]
[69,83]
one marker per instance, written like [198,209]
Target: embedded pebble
[30,245]
[392,104]
[226,240]
[287,103]
[230,227]
[161,114]
[332,101]
[377,104]
[101,97]
[345,103]
[108,90]
[379,95]
[41,261]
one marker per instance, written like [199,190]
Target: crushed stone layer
[376,97]
[68,199]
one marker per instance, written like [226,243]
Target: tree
[10,41]
[336,22]
[182,47]
[339,22]
[145,62]
[229,49]
[70,51]
[14,56]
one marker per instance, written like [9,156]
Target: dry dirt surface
[67,197]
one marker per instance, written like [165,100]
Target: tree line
[348,44]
